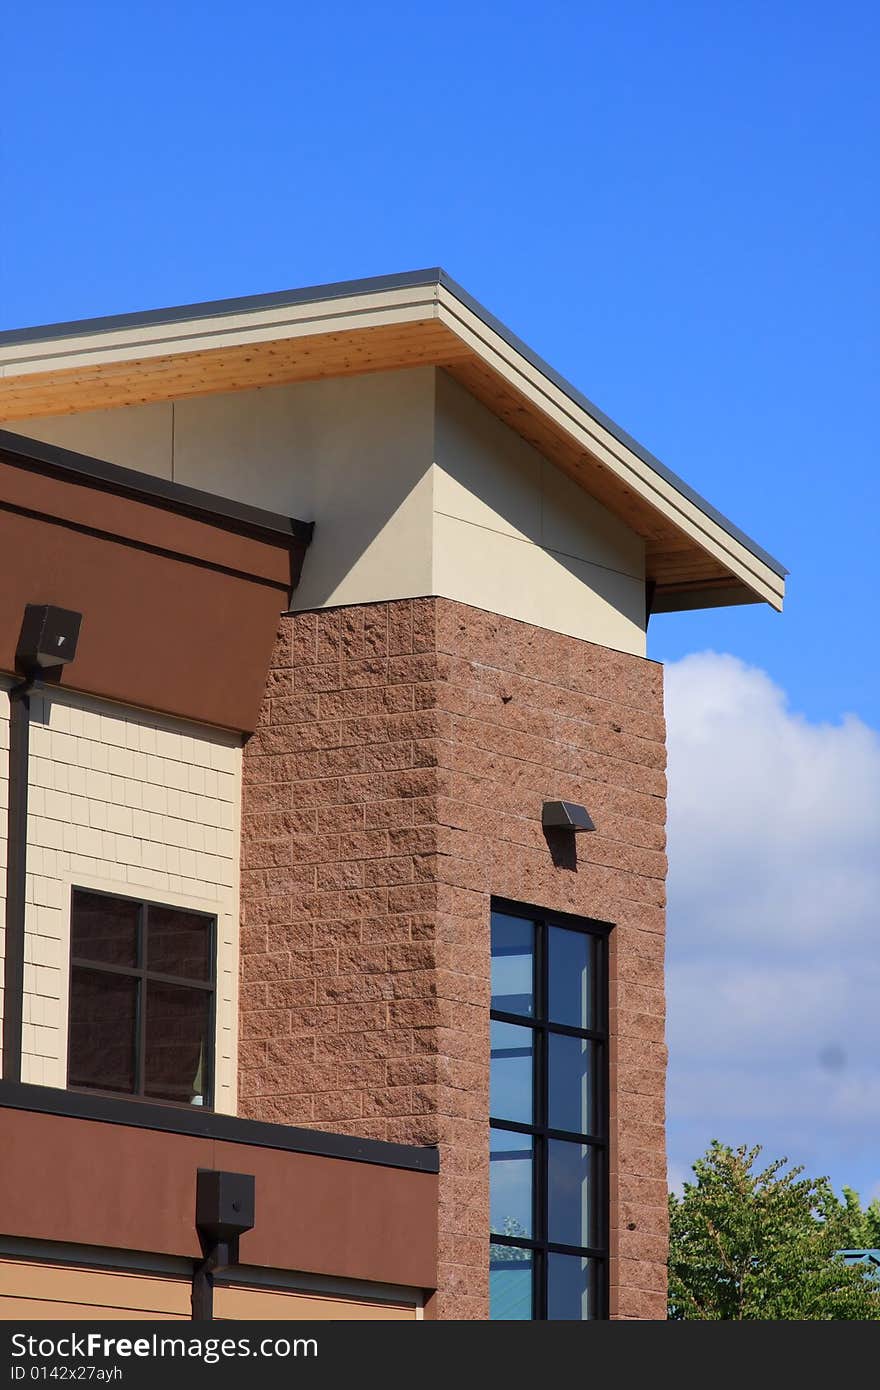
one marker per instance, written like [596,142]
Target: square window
[132,1029]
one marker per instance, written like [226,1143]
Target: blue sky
[677,205]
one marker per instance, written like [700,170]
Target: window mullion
[542,993]
[539,1276]
[141,1059]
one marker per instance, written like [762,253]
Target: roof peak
[453,312]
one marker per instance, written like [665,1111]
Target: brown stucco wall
[394,784]
[85,1182]
[179,611]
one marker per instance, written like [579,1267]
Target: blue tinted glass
[570,997]
[571,1098]
[510,1283]
[569,1288]
[510,1088]
[510,1183]
[513,964]
[571,1211]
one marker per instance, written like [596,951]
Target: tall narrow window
[549,1115]
[141,1015]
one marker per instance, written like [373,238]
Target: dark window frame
[540,1132]
[142,973]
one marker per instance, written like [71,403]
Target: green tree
[750,1242]
[862,1228]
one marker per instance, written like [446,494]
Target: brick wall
[128,802]
[395,783]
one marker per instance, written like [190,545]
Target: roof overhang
[161,573]
[695,557]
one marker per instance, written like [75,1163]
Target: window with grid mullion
[142,999]
[548,1124]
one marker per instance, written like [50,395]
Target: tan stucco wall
[31,1289]
[352,455]
[140,436]
[416,489]
[128,802]
[515,536]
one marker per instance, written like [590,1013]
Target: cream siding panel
[491,477]
[352,455]
[574,523]
[125,801]
[486,474]
[508,576]
[515,536]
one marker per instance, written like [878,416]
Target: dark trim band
[138,1114]
[18,449]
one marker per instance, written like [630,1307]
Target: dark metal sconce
[565,815]
[224,1211]
[47,641]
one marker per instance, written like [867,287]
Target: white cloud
[774,923]
[774,821]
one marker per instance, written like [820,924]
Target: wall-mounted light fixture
[46,643]
[565,815]
[224,1211]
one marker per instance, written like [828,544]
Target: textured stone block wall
[394,785]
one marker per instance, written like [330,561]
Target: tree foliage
[862,1226]
[751,1242]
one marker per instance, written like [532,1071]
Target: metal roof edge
[212,1124]
[216,308]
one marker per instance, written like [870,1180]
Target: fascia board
[217,331]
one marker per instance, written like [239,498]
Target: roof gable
[695,557]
